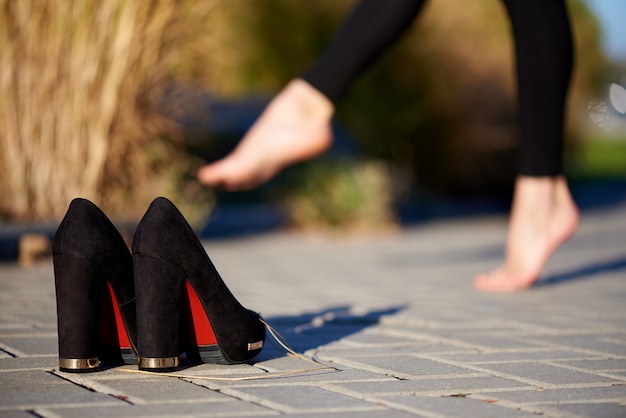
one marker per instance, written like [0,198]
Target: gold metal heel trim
[255,346]
[79,363]
[157,362]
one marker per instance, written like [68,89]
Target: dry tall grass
[77,83]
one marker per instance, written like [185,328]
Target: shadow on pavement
[312,330]
[585,272]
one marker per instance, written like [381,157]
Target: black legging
[543,48]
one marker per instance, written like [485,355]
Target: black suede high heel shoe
[95,292]
[183,304]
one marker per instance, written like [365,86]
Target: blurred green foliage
[598,158]
[341,193]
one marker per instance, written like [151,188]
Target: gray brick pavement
[394,313]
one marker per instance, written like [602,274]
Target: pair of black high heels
[147,308]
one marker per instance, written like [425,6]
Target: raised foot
[543,217]
[296,126]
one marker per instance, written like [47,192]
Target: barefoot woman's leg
[543,217]
[543,214]
[296,124]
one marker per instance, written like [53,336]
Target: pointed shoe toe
[183,305]
[95,292]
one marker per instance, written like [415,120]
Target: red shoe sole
[113,332]
[196,325]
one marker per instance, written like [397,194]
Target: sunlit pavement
[394,314]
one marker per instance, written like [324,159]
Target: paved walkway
[395,314]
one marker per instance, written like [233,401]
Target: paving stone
[25,331]
[299,398]
[285,364]
[40,318]
[490,342]
[8,323]
[15,413]
[32,345]
[542,373]
[316,377]
[437,386]
[37,387]
[381,350]
[163,389]
[226,370]
[609,365]
[434,338]
[130,372]
[408,366]
[515,356]
[453,406]
[592,343]
[591,409]
[374,337]
[197,409]
[13,363]
[106,373]
[379,413]
[561,395]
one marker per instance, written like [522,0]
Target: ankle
[309,102]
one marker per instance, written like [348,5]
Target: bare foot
[543,217]
[295,126]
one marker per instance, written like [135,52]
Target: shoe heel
[158,291]
[90,323]
[78,307]
[201,344]
[114,342]
[95,291]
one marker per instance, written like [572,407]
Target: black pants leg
[543,48]
[372,26]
